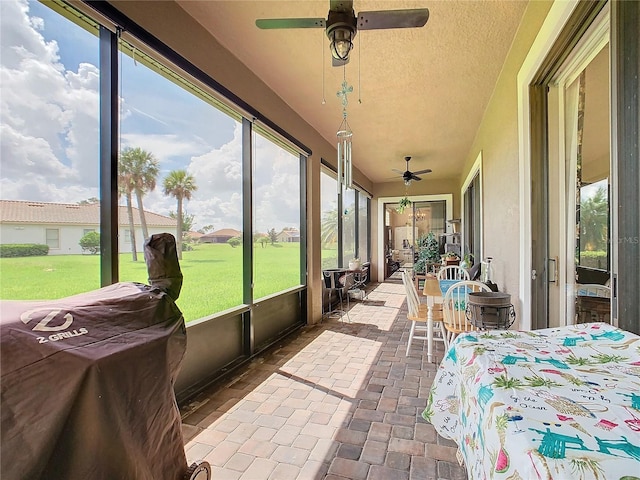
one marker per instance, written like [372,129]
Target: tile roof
[225,232]
[18,211]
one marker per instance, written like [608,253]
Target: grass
[212,276]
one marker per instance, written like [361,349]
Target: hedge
[594,259]
[23,250]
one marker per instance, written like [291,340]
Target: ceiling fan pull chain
[359,88]
[323,99]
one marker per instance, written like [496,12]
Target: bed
[559,403]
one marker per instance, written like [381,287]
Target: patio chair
[417,314]
[453,272]
[454,307]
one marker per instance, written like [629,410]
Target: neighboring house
[62,225]
[220,236]
[194,236]
[289,235]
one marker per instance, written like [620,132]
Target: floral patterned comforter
[559,403]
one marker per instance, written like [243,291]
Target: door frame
[447,197]
[550,32]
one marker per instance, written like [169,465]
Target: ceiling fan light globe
[341,43]
[407,181]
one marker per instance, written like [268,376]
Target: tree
[90,242]
[206,229]
[235,241]
[594,216]
[142,169]
[89,201]
[263,241]
[125,187]
[273,236]
[187,220]
[181,185]
[329,228]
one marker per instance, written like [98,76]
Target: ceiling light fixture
[341,30]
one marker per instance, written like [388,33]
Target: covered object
[87,382]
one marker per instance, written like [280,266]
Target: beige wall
[497,139]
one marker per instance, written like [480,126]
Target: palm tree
[125,187]
[142,168]
[594,215]
[181,185]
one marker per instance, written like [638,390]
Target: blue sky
[49,128]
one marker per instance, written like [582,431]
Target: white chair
[454,307]
[417,314]
[593,290]
[453,272]
[593,303]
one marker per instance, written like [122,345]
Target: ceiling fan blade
[335,62]
[415,177]
[409,18]
[420,172]
[399,172]
[272,23]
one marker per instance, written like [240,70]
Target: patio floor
[333,401]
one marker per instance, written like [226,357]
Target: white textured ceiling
[423,90]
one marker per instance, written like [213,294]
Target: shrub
[235,241]
[90,242]
[23,250]
[594,259]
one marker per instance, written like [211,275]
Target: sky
[49,79]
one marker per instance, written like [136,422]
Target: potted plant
[451,258]
[404,203]
[467,260]
[427,252]
[354,264]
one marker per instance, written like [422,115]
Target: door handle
[552,276]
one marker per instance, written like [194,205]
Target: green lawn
[212,276]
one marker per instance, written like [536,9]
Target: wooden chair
[453,272]
[417,313]
[454,306]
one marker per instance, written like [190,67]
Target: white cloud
[48,115]
[49,120]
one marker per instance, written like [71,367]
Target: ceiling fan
[408,175]
[342,24]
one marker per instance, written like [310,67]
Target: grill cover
[87,386]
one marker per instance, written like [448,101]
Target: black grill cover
[87,386]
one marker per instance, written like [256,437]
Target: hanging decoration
[345,136]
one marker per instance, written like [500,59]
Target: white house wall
[69,236]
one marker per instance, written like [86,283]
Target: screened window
[472,219]
[363,227]
[276,214]
[179,171]
[349,218]
[49,123]
[329,220]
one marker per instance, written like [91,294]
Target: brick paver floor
[334,401]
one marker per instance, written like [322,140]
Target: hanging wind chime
[344,136]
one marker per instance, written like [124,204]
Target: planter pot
[354,265]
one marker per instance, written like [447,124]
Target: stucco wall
[69,236]
[497,139]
